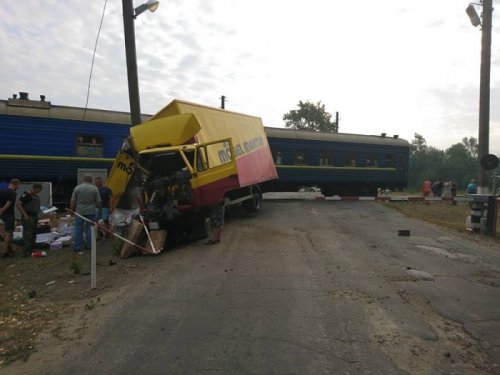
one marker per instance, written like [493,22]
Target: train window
[278,157]
[372,160]
[325,158]
[401,163]
[389,160]
[301,158]
[89,145]
[350,159]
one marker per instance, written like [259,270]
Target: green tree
[472,146]
[310,116]
[418,145]
[425,162]
[459,164]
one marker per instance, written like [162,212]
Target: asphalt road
[305,287]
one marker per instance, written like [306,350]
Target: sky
[397,67]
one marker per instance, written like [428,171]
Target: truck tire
[254,204]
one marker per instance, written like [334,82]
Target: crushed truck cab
[188,158]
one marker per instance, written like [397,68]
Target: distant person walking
[437,187]
[106,195]
[471,187]
[7,204]
[85,200]
[453,188]
[29,206]
[426,187]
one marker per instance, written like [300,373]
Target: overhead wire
[59,182]
[93,58]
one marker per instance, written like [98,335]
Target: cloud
[389,67]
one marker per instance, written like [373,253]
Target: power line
[93,58]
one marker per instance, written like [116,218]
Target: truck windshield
[162,164]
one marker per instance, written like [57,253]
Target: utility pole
[223,102]
[484,89]
[130,53]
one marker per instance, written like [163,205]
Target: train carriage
[43,142]
[344,164]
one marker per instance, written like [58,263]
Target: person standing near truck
[7,204]
[29,206]
[217,222]
[85,200]
[106,195]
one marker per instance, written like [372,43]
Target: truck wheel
[254,204]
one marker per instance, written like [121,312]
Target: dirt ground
[37,294]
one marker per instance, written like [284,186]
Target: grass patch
[439,213]
[76,265]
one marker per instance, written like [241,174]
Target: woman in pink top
[426,187]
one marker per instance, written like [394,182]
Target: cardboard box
[65,225]
[43,226]
[56,245]
[134,232]
[158,237]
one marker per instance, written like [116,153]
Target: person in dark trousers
[7,204]
[217,222]
[29,206]
[107,203]
[454,190]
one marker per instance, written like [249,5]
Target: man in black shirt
[29,206]
[7,204]
[107,203]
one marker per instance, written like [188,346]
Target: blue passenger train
[44,142]
[338,163]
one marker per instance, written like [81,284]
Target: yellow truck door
[216,170]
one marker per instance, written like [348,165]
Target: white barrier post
[93,257]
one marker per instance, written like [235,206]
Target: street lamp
[129,15]
[484,88]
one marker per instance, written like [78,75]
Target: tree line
[459,162]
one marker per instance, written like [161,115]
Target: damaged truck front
[187,159]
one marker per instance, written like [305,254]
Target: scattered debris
[404,232]
[32,294]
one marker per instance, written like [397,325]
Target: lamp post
[484,87]
[129,15]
